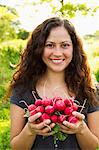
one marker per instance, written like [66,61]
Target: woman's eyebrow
[67,41]
[49,41]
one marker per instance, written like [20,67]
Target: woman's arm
[21,136]
[88,138]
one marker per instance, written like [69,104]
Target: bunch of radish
[57,110]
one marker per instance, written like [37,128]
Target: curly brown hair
[32,67]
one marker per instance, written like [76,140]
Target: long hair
[31,66]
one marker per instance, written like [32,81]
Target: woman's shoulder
[20,94]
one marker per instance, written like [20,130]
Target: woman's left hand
[71,128]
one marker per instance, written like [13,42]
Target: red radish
[68,101]
[49,109]
[72,119]
[30,107]
[75,107]
[44,116]
[68,110]
[40,109]
[46,102]
[57,98]
[59,105]
[61,118]
[54,118]
[38,102]
[33,112]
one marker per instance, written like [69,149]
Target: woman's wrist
[82,128]
[30,130]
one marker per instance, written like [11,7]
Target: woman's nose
[57,51]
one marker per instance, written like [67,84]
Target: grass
[5,135]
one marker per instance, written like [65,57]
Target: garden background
[14,35]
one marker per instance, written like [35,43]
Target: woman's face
[58,50]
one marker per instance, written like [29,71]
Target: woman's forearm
[24,140]
[87,140]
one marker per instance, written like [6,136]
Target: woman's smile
[57,61]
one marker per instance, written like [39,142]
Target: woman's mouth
[57,61]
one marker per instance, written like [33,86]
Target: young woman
[54,62]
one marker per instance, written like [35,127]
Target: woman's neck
[52,84]
[54,78]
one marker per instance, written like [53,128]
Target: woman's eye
[49,45]
[65,45]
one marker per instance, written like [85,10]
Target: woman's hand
[71,128]
[42,128]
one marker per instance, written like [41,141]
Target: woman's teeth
[57,61]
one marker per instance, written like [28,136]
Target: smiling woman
[54,66]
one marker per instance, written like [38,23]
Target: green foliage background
[10,53]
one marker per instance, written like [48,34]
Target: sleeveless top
[47,143]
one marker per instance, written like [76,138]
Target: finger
[41,125]
[48,128]
[68,131]
[64,127]
[69,125]
[34,117]
[39,132]
[80,124]
[78,115]
[46,134]
[52,125]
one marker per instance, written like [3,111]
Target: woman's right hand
[42,128]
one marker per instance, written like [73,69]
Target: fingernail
[64,122]
[39,113]
[53,124]
[74,112]
[47,121]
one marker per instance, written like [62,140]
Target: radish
[30,107]
[46,102]
[68,110]
[57,98]
[54,118]
[49,109]
[32,112]
[59,105]
[75,107]
[68,101]
[44,116]
[40,109]
[61,118]
[72,119]
[38,102]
